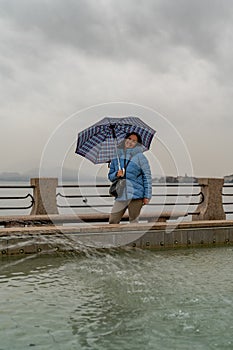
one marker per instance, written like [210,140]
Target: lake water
[118,300]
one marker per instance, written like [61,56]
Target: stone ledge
[158,236]
[119,228]
[23,220]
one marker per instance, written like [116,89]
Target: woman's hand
[120,173]
[145,201]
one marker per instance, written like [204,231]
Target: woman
[136,170]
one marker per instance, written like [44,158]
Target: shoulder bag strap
[126,163]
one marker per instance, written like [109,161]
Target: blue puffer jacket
[138,174]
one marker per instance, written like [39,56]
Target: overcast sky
[58,57]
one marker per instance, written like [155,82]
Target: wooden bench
[55,219]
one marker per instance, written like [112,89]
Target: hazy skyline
[59,57]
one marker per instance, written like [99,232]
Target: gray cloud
[104,27]
[60,56]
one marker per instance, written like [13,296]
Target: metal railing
[224,195]
[22,200]
[8,198]
[84,196]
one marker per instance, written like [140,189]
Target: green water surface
[118,300]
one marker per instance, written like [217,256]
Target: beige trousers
[134,207]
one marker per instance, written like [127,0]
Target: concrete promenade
[45,231]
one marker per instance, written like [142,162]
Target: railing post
[211,208]
[44,194]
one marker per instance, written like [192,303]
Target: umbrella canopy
[98,142]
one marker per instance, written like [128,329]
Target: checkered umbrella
[98,143]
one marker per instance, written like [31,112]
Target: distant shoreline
[17,177]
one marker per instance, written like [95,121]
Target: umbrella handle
[112,127]
[118,161]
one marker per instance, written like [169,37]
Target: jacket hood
[130,152]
